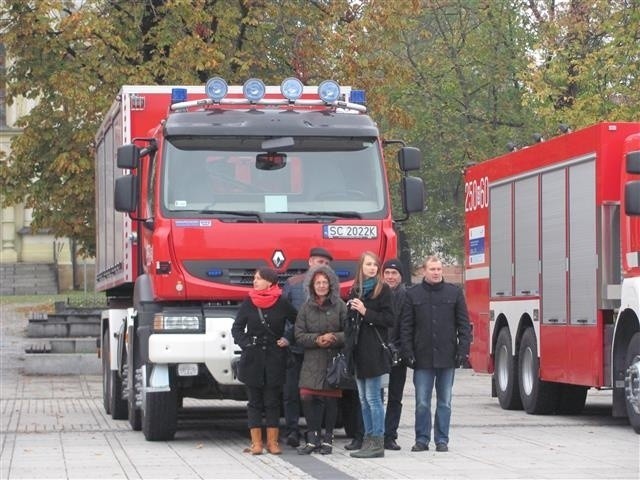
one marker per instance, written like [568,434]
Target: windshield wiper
[255,215]
[326,214]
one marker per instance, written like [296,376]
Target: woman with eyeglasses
[319,329]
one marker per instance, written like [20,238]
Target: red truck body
[216,190]
[552,268]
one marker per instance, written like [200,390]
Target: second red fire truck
[552,270]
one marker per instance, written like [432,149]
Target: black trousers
[291,395]
[318,408]
[397,379]
[264,400]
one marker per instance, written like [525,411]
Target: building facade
[22,249]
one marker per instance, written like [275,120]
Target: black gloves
[462,360]
[409,361]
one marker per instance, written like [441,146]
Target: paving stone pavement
[56,427]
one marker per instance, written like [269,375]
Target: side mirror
[412,193]
[126,194]
[633,162]
[409,158]
[632,197]
[128,156]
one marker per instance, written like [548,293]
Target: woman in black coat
[259,331]
[371,307]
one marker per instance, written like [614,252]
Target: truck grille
[237,273]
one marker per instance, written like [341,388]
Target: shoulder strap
[264,323]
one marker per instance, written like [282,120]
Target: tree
[73,56]
[585,66]
[443,75]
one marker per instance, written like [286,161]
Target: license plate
[350,231]
[187,369]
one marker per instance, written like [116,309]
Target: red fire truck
[215,181]
[552,270]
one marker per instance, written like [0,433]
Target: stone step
[89,327]
[63,345]
[28,279]
[61,364]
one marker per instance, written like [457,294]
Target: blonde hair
[359,280]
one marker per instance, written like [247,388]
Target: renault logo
[278,258]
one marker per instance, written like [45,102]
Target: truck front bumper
[215,348]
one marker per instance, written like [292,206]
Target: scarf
[265,298]
[368,285]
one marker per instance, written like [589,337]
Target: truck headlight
[163,322]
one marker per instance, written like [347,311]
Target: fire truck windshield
[216,175]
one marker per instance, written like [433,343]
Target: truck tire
[133,412]
[111,381]
[505,374]
[538,397]
[160,415]
[632,381]
[571,399]
[106,372]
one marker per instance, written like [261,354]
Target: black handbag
[338,374]
[393,354]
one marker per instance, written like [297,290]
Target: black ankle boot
[327,444]
[313,444]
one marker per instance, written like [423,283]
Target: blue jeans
[423,381]
[371,404]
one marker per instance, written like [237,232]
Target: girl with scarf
[259,331]
[371,314]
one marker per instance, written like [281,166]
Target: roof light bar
[254,92]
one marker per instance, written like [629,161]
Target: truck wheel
[133,382]
[505,374]
[632,382]
[571,399]
[538,397]
[160,415]
[106,372]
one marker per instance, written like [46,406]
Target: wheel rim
[526,374]
[502,369]
[632,384]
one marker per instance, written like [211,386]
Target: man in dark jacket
[392,275]
[294,292]
[435,334]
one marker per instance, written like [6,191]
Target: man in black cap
[294,292]
[392,275]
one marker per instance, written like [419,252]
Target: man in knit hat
[392,275]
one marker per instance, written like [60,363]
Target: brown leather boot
[256,442]
[272,441]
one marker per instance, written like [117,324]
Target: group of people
[289,336]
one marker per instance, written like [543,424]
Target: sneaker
[293,439]
[442,447]
[420,447]
[390,444]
